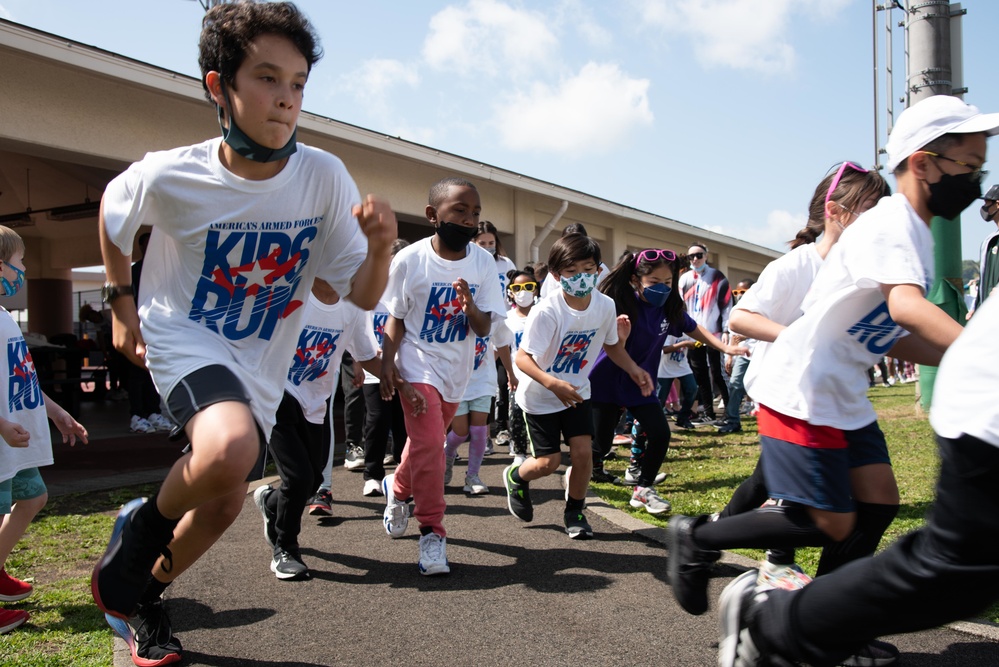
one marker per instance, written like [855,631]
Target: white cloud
[375,81]
[488,37]
[590,113]
[779,228]
[741,34]
[5,14]
[579,16]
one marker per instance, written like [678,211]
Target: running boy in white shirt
[299,443]
[443,292]
[562,338]
[241,226]
[823,453]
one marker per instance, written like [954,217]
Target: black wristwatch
[111,292]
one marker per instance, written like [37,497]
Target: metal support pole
[929,73]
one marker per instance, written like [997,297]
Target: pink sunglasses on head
[839,175]
[652,255]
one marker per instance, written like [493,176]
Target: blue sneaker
[121,575]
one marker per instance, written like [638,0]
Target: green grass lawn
[56,556]
[705,468]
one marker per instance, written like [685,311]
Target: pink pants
[420,474]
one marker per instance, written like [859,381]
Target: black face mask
[455,236]
[247,147]
[952,194]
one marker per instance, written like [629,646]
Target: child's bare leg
[197,531]
[225,446]
[16,523]
[581,455]
[536,468]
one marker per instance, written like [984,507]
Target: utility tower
[933,67]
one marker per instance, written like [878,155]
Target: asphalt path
[518,593]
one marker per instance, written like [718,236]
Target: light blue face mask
[657,294]
[579,285]
[11,288]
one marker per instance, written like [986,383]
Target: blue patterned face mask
[11,288]
[579,285]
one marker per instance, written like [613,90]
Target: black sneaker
[148,635]
[269,516]
[518,496]
[321,504]
[577,527]
[604,477]
[684,423]
[729,428]
[287,565]
[876,654]
[122,573]
[688,565]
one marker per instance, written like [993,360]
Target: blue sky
[723,114]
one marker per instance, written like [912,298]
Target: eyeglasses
[738,292]
[977,173]
[528,287]
[652,255]
[839,175]
[696,255]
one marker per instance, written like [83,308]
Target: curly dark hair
[228,29]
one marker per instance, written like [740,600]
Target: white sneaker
[518,460]
[396,515]
[433,555]
[785,577]
[354,459]
[474,486]
[372,487]
[631,476]
[141,425]
[159,422]
[650,500]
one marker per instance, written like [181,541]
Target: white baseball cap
[932,118]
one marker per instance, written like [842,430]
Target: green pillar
[947,290]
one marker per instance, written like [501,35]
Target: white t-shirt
[230,260]
[483,379]
[675,364]
[503,265]
[777,296]
[967,384]
[816,369]
[379,316]
[564,342]
[23,404]
[438,347]
[515,323]
[327,331]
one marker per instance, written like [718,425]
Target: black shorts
[201,388]
[545,432]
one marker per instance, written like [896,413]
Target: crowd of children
[243,319]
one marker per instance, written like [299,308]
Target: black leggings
[706,365]
[299,449]
[653,421]
[380,417]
